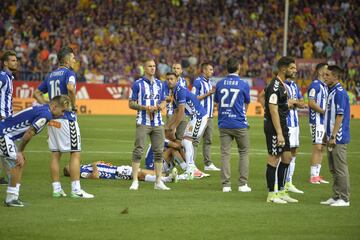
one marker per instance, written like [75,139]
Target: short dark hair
[284,62]
[318,67]
[63,53]
[232,65]
[336,70]
[6,55]
[204,65]
[171,73]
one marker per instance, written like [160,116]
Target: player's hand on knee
[20,159]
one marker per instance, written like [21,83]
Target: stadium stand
[111,36]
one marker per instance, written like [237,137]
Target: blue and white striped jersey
[232,94]
[170,105]
[6,91]
[192,104]
[16,125]
[148,93]
[293,93]
[202,86]
[338,104]
[55,84]
[318,92]
[107,171]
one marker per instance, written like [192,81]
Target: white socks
[12,194]
[315,170]
[75,186]
[291,170]
[189,151]
[183,165]
[56,186]
[318,169]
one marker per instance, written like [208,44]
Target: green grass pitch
[191,210]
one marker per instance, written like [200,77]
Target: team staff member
[64,133]
[233,96]
[147,97]
[337,126]
[204,91]
[277,132]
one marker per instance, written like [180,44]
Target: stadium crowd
[111,36]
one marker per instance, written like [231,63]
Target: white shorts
[8,151]
[195,127]
[317,133]
[294,137]
[64,136]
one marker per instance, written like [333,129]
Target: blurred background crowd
[111,37]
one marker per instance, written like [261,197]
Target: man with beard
[277,132]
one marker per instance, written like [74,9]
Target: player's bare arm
[261,98]
[276,122]
[72,94]
[20,159]
[95,172]
[39,96]
[178,116]
[315,107]
[161,106]
[201,97]
[135,106]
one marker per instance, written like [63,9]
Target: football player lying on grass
[104,170]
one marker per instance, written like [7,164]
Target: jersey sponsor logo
[54,124]
[151,96]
